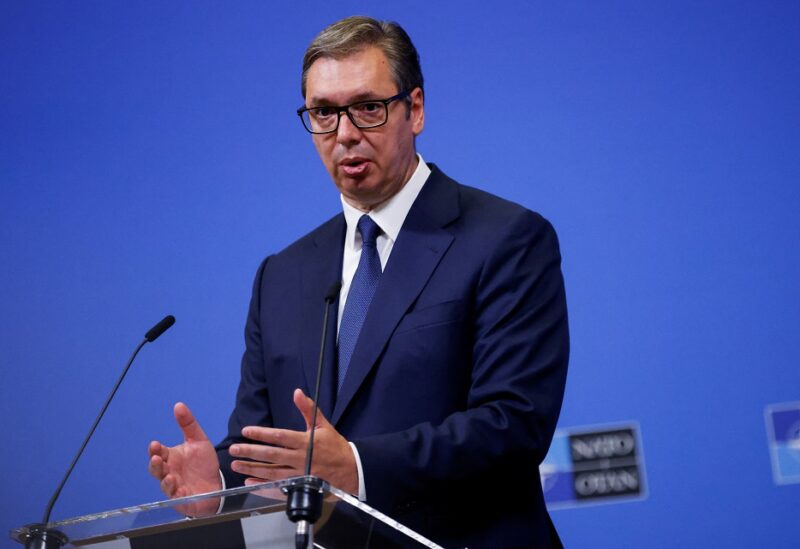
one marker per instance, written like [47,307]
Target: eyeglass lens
[367,114]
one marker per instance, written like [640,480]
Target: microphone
[164,325]
[39,537]
[304,505]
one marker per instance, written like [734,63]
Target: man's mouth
[354,166]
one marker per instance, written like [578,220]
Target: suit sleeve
[252,399]
[520,349]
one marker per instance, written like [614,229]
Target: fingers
[192,432]
[157,468]
[306,407]
[159,454]
[263,472]
[173,487]
[169,485]
[271,456]
[304,404]
[155,448]
[284,438]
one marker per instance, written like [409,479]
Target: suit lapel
[323,267]
[419,247]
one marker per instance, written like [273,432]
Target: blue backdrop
[150,157]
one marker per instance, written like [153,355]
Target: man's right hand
[189,468]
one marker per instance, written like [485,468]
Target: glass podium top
[346,522]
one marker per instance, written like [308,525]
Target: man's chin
[361,198]
[353,183]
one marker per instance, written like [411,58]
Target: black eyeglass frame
[346,109]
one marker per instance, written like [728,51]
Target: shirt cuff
[362,490]
[221,500]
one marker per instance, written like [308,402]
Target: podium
[248,517]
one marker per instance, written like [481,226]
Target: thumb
[192,432]
[306,407]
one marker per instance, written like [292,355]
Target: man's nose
[347,131]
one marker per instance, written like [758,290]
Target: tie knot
[369,230]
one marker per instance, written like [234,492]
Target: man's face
[368,166]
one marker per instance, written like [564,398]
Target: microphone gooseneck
[40,536]
[330,297]
[304,505]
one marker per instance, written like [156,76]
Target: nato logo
[783,431]
[593,465]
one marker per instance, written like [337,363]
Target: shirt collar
[390,215]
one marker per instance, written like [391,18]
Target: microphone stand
[39,535]
[304,504]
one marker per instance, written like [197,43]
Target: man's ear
[417,111]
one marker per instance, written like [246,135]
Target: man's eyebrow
[362,96]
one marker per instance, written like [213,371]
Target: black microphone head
[333,291]
[159,328]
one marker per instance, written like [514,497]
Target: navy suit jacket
[456,381]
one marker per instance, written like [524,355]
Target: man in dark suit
[447,366]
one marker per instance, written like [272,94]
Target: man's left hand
[333,458]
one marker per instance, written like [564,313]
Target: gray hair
[355,33]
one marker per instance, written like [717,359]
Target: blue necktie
[365,281]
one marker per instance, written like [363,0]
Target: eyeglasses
[363,114]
